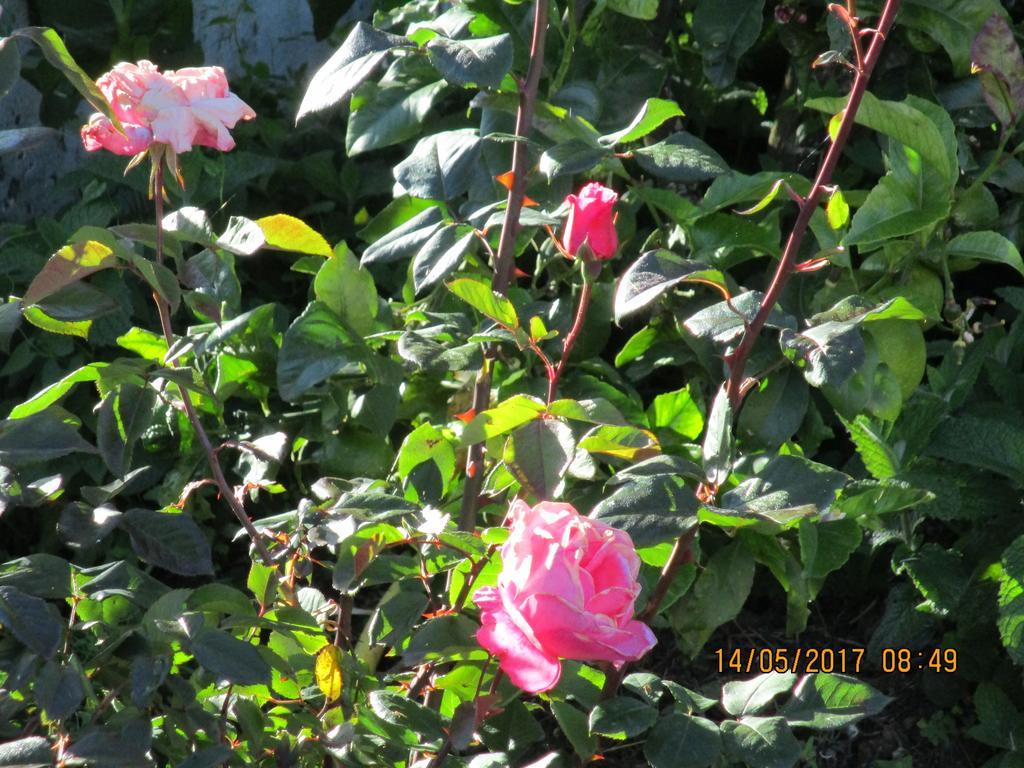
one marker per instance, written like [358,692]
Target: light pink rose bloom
[591,219]
[99,133]
[190,107]
[566,590]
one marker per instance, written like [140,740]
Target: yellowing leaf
[838,210]
[328,671]
[287,233]
[833,124]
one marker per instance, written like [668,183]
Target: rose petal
[526,665]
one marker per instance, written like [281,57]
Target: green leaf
[986,246]
[953,24]
[894,210]
[59,690]
[51,394]
[940,575]
[55,52]
[363,50]
[423,444]
[721,323]
[573,723]
[915,123]
[30,752]
[124,415]
[383,116]
[1000,723]
[683,741]
[981,441]
[40,437]
[622,717]
[503,418]
[34,622]
[479,295]
[681,158]
[126,746]
[570,158]
[774,411]
[829,353]
[397,709]
[538,454]
[39,575]
[725,30]
[242,237]
[645,10]
[348,289]
[160,279]
[209,757]
[838,210]
[405,239]
[228,658]
[825,547]
[717,448]
[287,233]
[677,411]
[787,483]
[441,255]
[70,264]
[169,541]
[1011,600]
[766,742]
[315,347]
[621,442]
[441,165]
[651,509]
[825,701]
[477,61]
[748,697]
[652,114]
[655,273]
[716,597]
[879,459]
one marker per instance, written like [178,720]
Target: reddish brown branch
[573,335]
[737,359]
[163,309]
[504,262]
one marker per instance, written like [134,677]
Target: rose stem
[163,309]
[504,262]
[574,332]
[681,552]
[737,359]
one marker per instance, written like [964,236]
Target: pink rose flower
[591,220]
[566,590]
[190,107]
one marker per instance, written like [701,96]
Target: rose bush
[567,588]
[246,528]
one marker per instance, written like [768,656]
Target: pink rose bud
[566,590]
[190,107]
[591,220]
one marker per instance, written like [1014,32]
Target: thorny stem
[682,552]
[573,335]
[737,359]
[163,309]
[504,262]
